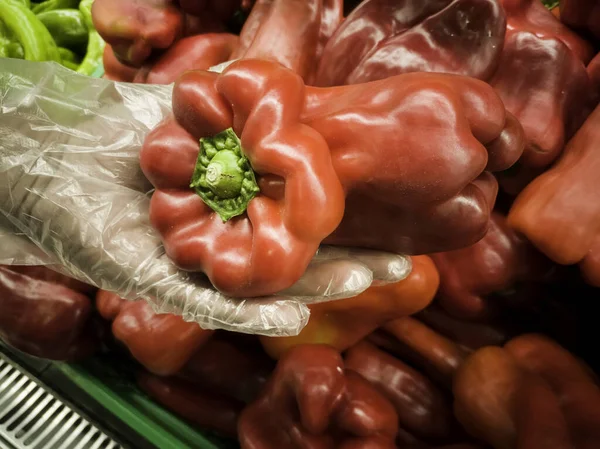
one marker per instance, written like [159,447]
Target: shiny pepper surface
[308,25]
[543,82]
[559,212]
[44,318]
[492,265]
[382,38]
[136,28]
[163,343]
[311,402]
[342,324]
[367,140]
[531,394]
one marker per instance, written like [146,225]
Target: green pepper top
[223,177]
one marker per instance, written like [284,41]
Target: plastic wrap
[72,194]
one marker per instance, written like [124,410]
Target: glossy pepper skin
[272,110]
[163,343]
[45,319]
[308,23]
[422,408]
[412,340]
[553,95]
[196,404]
[66,26]
[29,31]
[311,402]
[341,324]
[559,211]
[95,44]
[382,38]
[199,52]
[136,29]
[267,249]
[581,15]
[43,273]
[115,70]
[223,366]
[530,394]
[492,265]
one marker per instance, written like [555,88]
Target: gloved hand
[72,193]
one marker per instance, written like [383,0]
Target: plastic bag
[72,194]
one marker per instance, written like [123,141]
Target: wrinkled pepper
[114,70]
[553,94]
[162,343]
[559,211]
[308,26]
[341,324]
[29,31]
[494,264]
[531,394]
[67,27]
[312,402]
[382,38]
[342,148]
[136,30]
[225,367]
[581,15]
[198,405]
[45,319]
[191,53]
[422,408]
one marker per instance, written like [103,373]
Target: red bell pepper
[422,408]
[311,402]
[46,274]
[581,15]
[438,356]
[308,25]
[382,38]
[295,136]
[553,94]
[163,343]
[135,29]
[44,318]
[114,70]
[559,212]
[494,264]
[532,394]
[191,53]
[341,324]
[198,405]
[468,334]
[225,367]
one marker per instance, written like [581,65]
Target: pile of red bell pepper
[465,133]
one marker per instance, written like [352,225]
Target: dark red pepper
[45,319]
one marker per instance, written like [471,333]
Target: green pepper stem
[223,177]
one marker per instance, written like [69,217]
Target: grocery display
[335,224]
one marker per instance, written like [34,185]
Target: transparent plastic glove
[72,196]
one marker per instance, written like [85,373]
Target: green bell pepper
[28,31]
[66,26]
[69,59]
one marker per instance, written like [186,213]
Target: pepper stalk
[223,177]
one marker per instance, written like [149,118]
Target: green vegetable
[223,177]
[95,47]
[66,26]
[51,5]
[69,59]
[550,4]
[28,31]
